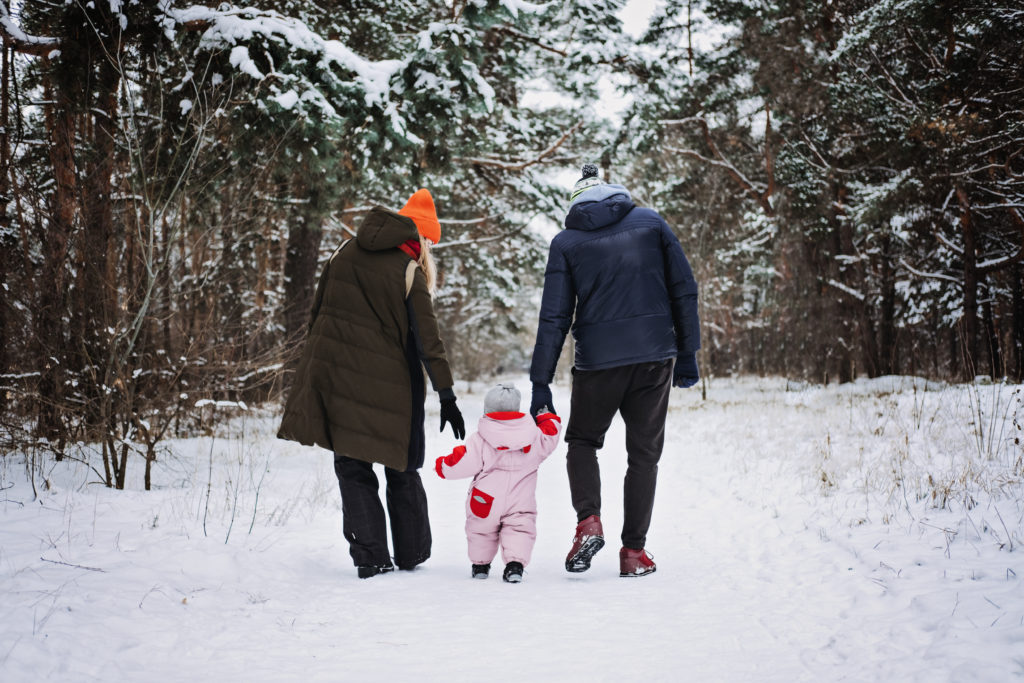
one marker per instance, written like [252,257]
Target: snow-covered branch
[233,27]
[859,296]
[933,276]
[956,249]
[21,41]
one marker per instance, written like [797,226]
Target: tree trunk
[995,360]
[300,271]
[970,283]
[848,313]
[49,325]
[165,305]
[95,295]
[7,241]
[1017,341]
[887,314]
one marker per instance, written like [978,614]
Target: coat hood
[599,206]
[507,431]
[383,229]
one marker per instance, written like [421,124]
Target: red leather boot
[588,540]
[635,562]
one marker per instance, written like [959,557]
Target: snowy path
[755,583]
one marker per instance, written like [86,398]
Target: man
[620,278]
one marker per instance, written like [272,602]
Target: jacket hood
[599,206]
[507,431]
[383,229]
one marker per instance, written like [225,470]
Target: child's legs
[518,534]
[482,539]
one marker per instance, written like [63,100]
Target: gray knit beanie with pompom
[504,398]
[590,179]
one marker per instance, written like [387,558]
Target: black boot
[480,571]
[513,572]
[373,570]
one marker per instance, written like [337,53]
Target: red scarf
[412,248]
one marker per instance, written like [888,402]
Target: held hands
[685,374]
[546,423]
[541,402]
[450,413]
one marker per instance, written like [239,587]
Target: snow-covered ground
[798,531]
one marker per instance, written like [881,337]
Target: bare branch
[508,30]
[752,190]
[76,566]
[521,165]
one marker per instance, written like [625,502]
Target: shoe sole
[627,575]
[580,562]
[514,578]
[479,576]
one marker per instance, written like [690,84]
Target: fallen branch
[76,566]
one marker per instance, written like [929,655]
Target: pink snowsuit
[502,457]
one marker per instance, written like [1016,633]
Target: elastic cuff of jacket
[445,394]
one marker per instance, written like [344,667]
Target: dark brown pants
[640,394]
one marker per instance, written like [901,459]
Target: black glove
[451,413]
[685,374]
[541,402]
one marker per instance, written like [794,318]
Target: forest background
[846,177]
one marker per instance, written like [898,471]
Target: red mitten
[437,466]
[546,423]
[451,459]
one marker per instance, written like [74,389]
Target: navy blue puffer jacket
[619,276]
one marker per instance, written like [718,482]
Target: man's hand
[541,402]
[685,374]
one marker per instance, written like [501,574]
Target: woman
[359,388]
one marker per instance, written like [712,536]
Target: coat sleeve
[471,462]
[427,335]
[549,428]
[558,302]
[682,292]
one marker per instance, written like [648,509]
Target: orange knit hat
[420,208]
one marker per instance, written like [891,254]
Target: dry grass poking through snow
[897,450]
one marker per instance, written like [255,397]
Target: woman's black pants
[363,520]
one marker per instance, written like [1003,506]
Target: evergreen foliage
[846,177]
[851,172]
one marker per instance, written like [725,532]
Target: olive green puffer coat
[358,389]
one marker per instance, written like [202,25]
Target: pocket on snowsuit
[480,503]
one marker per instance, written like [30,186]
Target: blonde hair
[426,261]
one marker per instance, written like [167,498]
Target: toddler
[502,457]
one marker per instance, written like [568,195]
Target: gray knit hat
[502,398]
